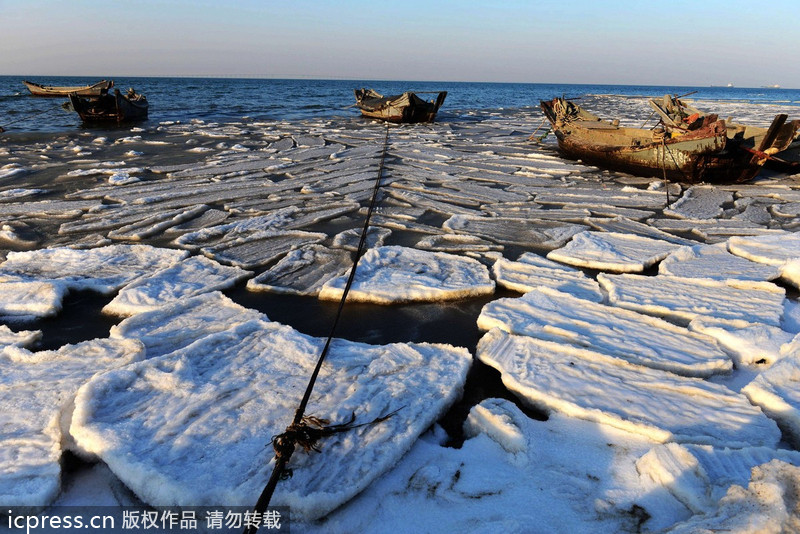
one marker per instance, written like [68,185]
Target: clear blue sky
[675,42]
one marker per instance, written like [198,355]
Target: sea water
[230,99]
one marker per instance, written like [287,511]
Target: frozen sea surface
[167,221]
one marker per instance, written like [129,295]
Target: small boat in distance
[691,153]
[110,108]
[407,107]
[82,90]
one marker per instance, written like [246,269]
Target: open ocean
[228,99]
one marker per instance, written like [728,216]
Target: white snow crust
[611,251]
[227,394]
[682,299]
[394,274]
[188,278]
[555,316]
[776,391]
[104,269]
[714,261]
[36,396]
[530,271]
[658,404]
[183,322]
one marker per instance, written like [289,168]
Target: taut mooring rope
[306,430]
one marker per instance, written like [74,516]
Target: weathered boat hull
[689,156]
[779,144]
[405,108]
[110,108]
[82,90]
[677,162]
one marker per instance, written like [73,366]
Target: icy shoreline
[161,220]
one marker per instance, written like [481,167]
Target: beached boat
[782,152]
[54,90]
[110,107]
[407,107]
[691,153]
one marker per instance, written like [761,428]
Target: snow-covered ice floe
[188,278]
[549,314]
[700,475]
[181,323]
[303,271]
[780,249]
[748,345]
[531,271]
[22,338]
[611,251]
[158,422]
[29,298]
[769,503]
[714,261]
[36,396]
[394,274]
[562,475]
[658,404]
[777,391]
[535,233]
[682,299]
[104,269]
[699,202]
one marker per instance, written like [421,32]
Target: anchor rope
[306,430]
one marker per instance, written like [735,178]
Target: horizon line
[346,78]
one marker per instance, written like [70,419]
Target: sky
[644,42]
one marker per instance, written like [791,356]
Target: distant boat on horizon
[94,89]
[773,86]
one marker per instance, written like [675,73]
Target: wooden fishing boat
[692,153]
[407,107]
[81,90]
[781,153]
[109,108]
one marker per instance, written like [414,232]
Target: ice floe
[225,396]
[749,345]
[540,234]
[768,504]
[35,410]
[22,338]
[260,248]
[28,298]
[780,249]
[699,202]
[256,181]
[530,271]
[548,314]
[683,299]
[104,269]
[700,475]
[456,243]
[774,249]
[188,278]
[623,225]
[394,274]
[714,261]
[588,385]
[563,474]
[776,392]
[611,251]
[181,323]
[303,271]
